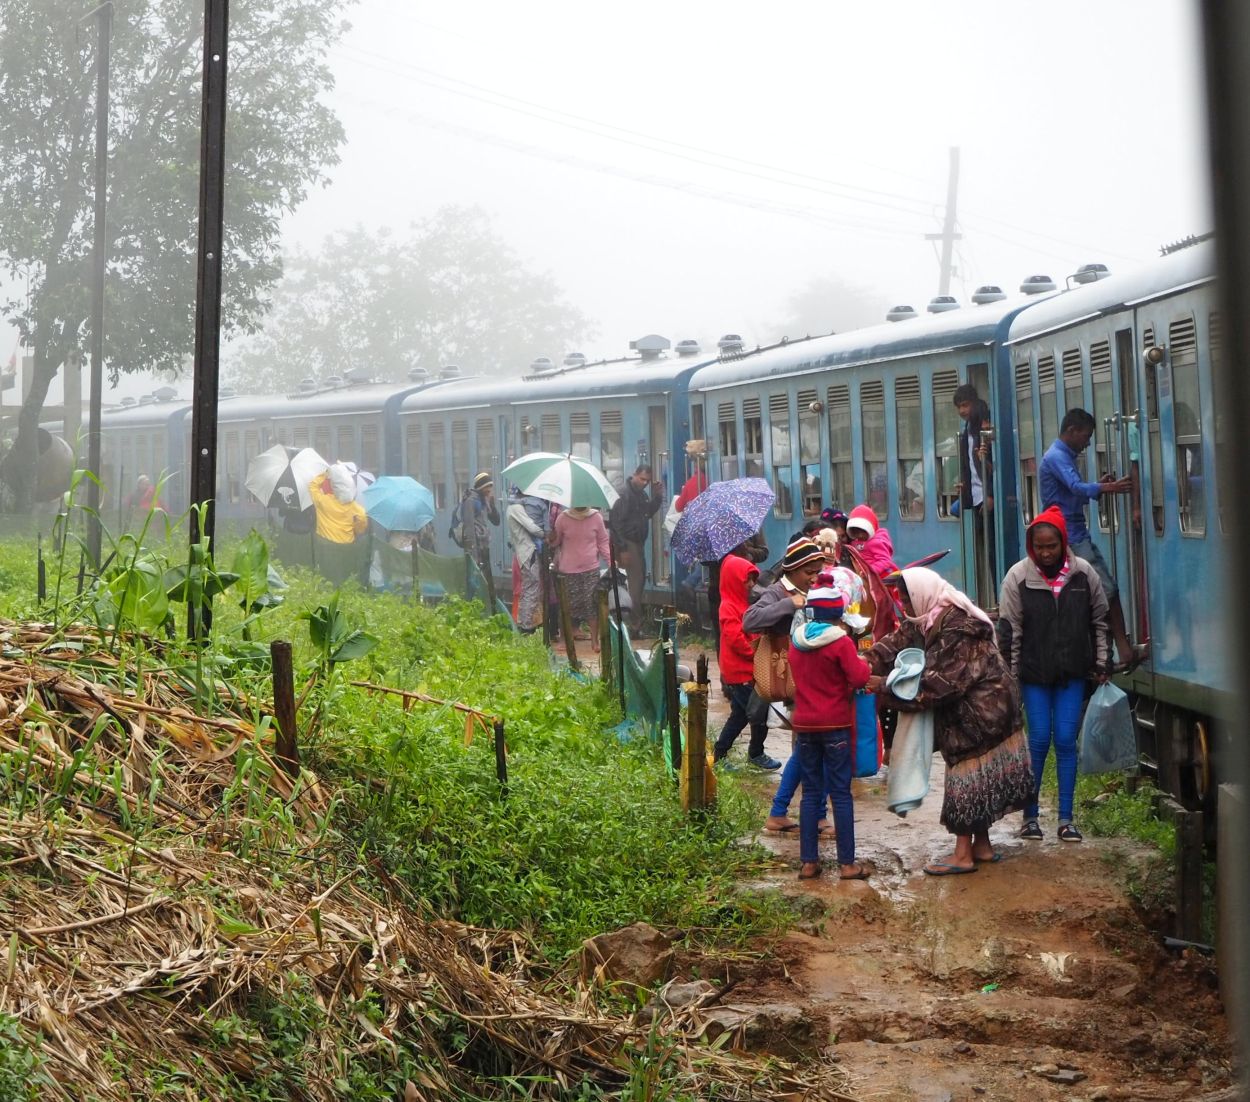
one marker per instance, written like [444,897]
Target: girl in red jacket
[737,660]
[827,668]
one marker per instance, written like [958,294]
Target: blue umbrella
[398,503]
[720,518]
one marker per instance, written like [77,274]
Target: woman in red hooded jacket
[1052,629]
[737,659]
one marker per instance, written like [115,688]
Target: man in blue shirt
[1062,485]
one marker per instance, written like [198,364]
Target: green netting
[646,704]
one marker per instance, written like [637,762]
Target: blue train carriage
[617,414]
[1136,350]
[869,416]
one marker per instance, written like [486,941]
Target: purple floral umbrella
[720,518]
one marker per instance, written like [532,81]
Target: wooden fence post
[694,762]
[501,758]
[605,640]
[1189,858]
[41,574]
[566,621]
[416,573]
[286,748]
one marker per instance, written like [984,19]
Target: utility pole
[203,483]
[99,261]
[948,236]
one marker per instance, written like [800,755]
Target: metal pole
[208,279]
[672,697]
[620,627]
[99,258]
[948,236]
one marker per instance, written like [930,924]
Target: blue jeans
[738,697]
[825,761]
[788,786]
[1054,712]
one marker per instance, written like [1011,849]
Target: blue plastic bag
[867,732]
[1108,734]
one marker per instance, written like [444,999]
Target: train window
[412,451]
[910,433]
[612,446]
[1073,385]
[369,457]
[487,456]
[299,436]
[230,453]
[345,444]
[1030,498]
[841,459]
[809,452]
[946,425]
[579,435]
[872,430]
[321,441]
[779,438]
[281,432]
[1187,424]
[551,433]
[698,427]
[1214,338]
[460,474]
[1046,399]
[1152,374]
[728,439]
[438,467]
[1107,457]
[753,437]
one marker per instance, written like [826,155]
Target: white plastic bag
[672,516]
[1108,735]
[911,759]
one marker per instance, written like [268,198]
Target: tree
[828,304]
[280,139]
[450,291]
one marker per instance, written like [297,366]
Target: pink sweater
[582,543]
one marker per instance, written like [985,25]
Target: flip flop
[861,873]
[940,868]
[789,828]
[811,875]
[989,860]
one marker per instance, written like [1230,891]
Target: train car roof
[1167,275]
[967,327]
[616,379]
[365,398]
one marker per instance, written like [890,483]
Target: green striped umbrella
[563,479]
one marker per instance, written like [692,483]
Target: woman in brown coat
[976,710]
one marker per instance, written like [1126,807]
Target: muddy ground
[1034,978]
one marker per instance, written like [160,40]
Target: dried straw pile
[136,925]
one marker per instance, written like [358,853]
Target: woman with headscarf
[967,685]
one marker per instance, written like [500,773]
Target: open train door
[978,528]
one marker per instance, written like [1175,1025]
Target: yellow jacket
[337,522]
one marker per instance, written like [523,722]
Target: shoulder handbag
[773,680]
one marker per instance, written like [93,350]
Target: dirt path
[997,985]
[1033,979]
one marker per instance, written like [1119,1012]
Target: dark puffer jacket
[974,698]
[1049,640]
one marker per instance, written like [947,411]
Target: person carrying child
[827,669]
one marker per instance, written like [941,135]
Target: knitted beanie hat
[800,551]
[482,480]
[825,604]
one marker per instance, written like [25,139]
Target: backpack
[456,532]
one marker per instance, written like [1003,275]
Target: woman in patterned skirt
[976,712]
[581,543]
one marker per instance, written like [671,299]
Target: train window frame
[550,434]
[1106,450]
[301,436]
[841,447]
[230,453]
[752,438]
[579,435]
[461,476]
[412,450]
[811,472]
[946,418]
[484,444]
[438,464]
[1047,395]
[321,440]
[612,446]
[1030,492]
[370,458]
[345,443]
[872,457]
[907,461]
[1215,354]
[1071,373]
[781,454]
[727,440]
[1187,446]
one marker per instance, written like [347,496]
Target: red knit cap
[863,518]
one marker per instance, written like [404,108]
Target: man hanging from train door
[1061,484]
[975,486]
[630,520]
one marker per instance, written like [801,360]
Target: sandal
[1069,833]
[1031,831]
[815,867]
[862,872]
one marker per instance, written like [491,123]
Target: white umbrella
[562,479]
[280,476]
